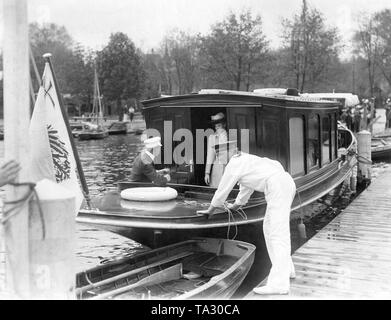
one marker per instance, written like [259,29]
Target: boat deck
[350,258]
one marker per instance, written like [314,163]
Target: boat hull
[119,128]
[381,152]
[114,132]
[163,225]
[92,135]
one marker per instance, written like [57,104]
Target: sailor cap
[152,143]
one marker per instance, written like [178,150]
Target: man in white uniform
[254,173]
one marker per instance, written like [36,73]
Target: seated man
[143,169]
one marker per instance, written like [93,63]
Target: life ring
[150,207]
[149,194]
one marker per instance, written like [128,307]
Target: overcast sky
[90,22]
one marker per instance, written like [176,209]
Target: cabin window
[326,141]
[296,136]
[313,141]
[333,136]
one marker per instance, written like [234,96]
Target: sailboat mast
[94,105]
[100,112]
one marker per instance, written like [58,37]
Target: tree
[182,52]
[152,64]
[382,31]
[1,86]
[311,45]
[366,43]
[70,60]
[120,69]
[234,51]
[54,39]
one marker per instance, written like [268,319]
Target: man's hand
[207,179]
[233,206]
[207,212]
[8,172]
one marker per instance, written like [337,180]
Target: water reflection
[107,161]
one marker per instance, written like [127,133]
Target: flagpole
[66,120]
[16,144]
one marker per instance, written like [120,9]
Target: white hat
[152,143]
[217,118]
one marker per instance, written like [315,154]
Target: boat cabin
[299,132]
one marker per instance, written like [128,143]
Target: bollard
[353,179]
[364,152]
[301,229]
[52,243]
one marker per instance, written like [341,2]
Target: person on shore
[143,169]
[131,113]
[349,118]
[387,107]
[214,167]
[254,173]
[8,172]
[357,118]
[344,116]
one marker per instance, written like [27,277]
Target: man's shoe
[269,290]
[293,275]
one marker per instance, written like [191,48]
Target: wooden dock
[350,258]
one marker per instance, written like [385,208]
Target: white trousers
[279,193]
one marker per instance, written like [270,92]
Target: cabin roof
[350,99]
[226,98]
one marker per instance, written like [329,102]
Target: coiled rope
[18,205]
[231,217]
[360,158]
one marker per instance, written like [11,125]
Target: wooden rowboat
[197,268]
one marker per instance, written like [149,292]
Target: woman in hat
[214,167]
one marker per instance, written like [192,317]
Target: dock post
[52,231]
[16,146]
[364,171]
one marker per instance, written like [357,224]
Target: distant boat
[94,129]
[93,134]
[201,268]
[76,128]
[380,148]
[385,134]
[119,127]
[139,131]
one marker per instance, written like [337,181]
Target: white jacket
[250,171]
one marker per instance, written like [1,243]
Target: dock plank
[350,258]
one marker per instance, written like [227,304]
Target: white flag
[51,150]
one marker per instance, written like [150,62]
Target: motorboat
[301,133]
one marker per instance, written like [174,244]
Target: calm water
[107,161]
